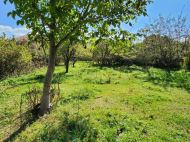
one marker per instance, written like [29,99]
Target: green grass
[108,104]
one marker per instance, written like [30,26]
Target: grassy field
[109,104]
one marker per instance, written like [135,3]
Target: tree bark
[74,63]
[45,101]
[67,66]
[67,59]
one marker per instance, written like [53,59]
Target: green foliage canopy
[61,18]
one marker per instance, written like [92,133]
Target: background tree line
[165,44]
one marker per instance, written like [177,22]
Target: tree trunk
[67,68]
[168,69]
[67,65]
[67,59]
[45,101]
[74,63]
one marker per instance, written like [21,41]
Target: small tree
[68,51]
[121,52]
[83,53]
[145,57]
[80,51]
[60,19]
[166,39]
[101,53]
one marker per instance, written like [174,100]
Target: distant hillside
[25,37]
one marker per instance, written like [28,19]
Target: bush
[101,53]
[187,62]
[38,52]
[13,58]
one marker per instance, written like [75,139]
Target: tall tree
[59,19]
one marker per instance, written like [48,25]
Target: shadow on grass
[179,80]
[41,78]
[69,129]
[29,118]
[123,68]
[60,65]
[89,70]
[63,77]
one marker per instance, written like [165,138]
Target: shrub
[101,53]
[187,62]
[13,58]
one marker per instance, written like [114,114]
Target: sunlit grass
[108,104]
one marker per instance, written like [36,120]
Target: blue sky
[166,7]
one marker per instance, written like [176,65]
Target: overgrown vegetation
[14,59]
[116,95]
[129,106]
[19,56]
[166,42]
